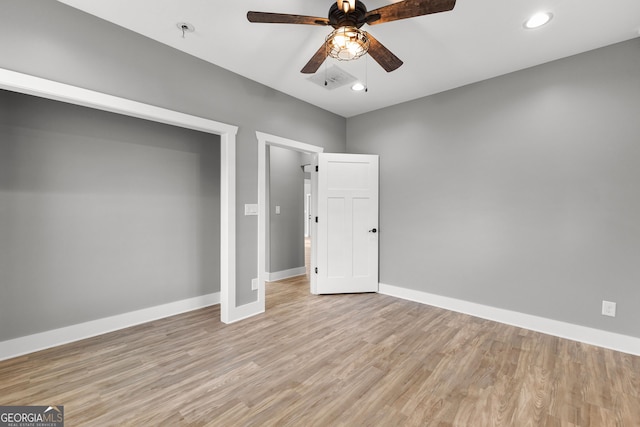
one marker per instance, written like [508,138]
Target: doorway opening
[285,212]
[31,85]
[265,141]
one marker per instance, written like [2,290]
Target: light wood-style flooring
[341,360]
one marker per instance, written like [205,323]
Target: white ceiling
[476,41]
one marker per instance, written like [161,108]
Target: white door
[347,224]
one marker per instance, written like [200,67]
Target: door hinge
[316,219]
[316,168]
[316,270]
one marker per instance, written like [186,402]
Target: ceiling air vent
[334,77]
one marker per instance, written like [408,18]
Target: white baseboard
[40,341]
[600,338]
[246,311]
[285,274]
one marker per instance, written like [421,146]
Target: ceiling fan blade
[382,55]
[407,9]
[316,60]
[283,18]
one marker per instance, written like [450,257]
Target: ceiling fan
[347,41]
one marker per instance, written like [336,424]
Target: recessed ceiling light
[538,20]
[357,87]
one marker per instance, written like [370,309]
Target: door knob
[373,230]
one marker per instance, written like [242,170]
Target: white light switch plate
[251,209]
[609,308]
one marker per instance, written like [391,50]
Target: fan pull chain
[326,47]
[366,73]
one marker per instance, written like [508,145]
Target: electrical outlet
[254,284]
[609,308]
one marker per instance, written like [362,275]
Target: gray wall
[51,40]
[101,214]
[286,230]
[520,192]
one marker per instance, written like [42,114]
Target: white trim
[248,310]
[40,341]
[285,274]
[228,227]
[24,83]
[265,139]
[584,334]
[44,88]
[290,144]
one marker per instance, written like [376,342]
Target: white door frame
[44,88]
[264,140]
[307,213]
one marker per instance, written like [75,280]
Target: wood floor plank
[335,360]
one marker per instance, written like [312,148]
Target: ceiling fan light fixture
[538,20]
[347,43]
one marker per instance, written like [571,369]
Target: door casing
[265,140]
